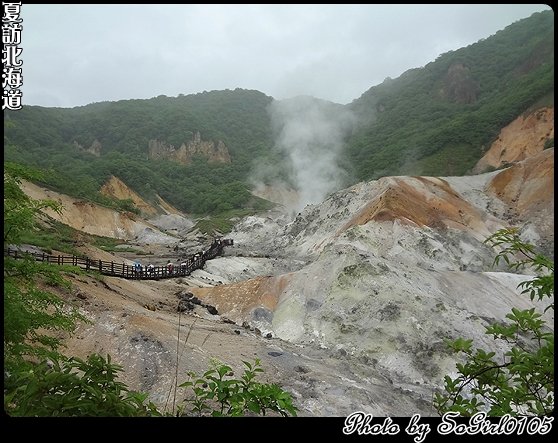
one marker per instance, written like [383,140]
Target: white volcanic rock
[387,271]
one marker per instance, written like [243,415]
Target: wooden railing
[186,267]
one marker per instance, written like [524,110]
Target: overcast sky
[78,54]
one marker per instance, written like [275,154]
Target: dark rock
[390,312]
[365,359]
[313,304]
[236,331]
[184,295]
[185,306]
[187,301]
[269,335]
[344,328]
[211,309]
[262,314]
[274,353]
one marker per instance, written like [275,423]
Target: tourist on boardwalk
[170,267]
[137,268]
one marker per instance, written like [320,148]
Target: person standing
[170,267]
[137,268]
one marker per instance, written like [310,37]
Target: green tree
[522,382]
[74,387]
[38,379]
[28,309]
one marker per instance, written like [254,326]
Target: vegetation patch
[221,223]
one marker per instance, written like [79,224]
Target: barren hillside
[347,305]
[522,138]
[99,220]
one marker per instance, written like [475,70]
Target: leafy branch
[523,382]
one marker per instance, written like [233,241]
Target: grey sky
[78,54]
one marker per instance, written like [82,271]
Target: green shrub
[218,394]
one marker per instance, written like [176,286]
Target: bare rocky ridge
[347,305]
[527,191]
[522,138]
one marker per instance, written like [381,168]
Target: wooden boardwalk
[122,270]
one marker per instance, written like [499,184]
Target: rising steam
[310,133]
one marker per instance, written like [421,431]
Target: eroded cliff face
[522,138]
[527,192]
[215,152]
[459,85]
[94,149]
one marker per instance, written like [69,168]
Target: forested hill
[197,151]
[438,120]
[84,146]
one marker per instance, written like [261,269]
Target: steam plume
[310,132]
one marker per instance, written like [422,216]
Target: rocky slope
[162,215]
[527,191]
[522,138]
[347,305]
[393,267]
[114,187]
[159,224]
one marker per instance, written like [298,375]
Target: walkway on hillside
[110,268]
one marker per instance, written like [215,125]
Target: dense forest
[47,138]
[435,120]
